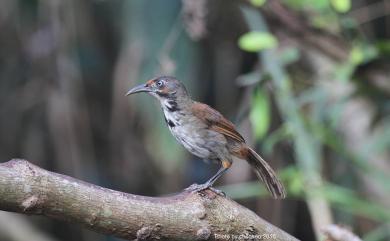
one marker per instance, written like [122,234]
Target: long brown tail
[265,173]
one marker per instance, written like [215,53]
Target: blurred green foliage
[257,3]
[317,127]
[260,114]
[341,6]
[256,41]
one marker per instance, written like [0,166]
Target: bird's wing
[216,121]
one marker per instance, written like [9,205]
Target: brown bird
[205,133]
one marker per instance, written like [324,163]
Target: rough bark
[26,188]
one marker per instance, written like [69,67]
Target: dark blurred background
[306,82]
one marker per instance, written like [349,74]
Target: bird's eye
[159,83]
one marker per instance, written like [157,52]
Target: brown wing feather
[216,121]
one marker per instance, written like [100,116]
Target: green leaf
[318,5]
[356,55]
[294,178]
[257,3]
[260,113]
[256,41]
[383,46]
[362,53]
[341,6]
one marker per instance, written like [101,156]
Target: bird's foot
[200,187]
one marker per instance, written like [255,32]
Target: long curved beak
[138,89]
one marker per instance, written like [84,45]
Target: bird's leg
[199,187]
[214,178]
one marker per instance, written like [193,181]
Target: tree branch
[26,188]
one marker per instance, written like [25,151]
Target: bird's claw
[217,191]
[200,187]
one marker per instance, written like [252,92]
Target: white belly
[194,137]
[192,141]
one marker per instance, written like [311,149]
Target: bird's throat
[175,103]
[175,108]
[171,105]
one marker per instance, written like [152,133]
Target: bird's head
[164,87]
